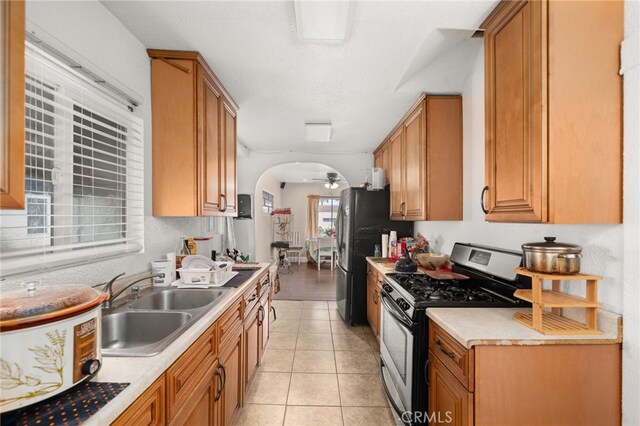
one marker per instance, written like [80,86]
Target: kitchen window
[267,202]
[84,172]
[327,213]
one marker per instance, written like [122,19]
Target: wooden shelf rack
[552,322]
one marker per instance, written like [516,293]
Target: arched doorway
[298,202]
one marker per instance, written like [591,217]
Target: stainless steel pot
[49,341]
[552,258]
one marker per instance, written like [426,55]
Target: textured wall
[631,285]
[89,33]
[263,222]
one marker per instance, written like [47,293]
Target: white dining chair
[295,247]
[326,242]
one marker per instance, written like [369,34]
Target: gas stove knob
[402,304]
[387,288]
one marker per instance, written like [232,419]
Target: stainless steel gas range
[403,331]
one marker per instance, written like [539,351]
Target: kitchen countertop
[141,372]
[496,326]
[381,264]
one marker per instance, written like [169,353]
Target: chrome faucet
[109,287]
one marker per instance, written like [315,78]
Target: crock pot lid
[549,245]
[35,302]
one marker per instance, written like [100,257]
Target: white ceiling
[396,51]
[301,172]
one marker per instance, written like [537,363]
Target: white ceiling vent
[317,132]
[324,21]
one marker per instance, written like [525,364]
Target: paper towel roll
[385,245]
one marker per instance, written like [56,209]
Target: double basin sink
[146,326]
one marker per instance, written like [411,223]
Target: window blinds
[84,173]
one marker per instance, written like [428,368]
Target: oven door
[396,351]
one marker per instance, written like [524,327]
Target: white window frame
[264,206]
[43,255]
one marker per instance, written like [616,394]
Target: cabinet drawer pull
[224,197]
[484,210]
[444,351]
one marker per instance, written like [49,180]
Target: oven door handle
[395,407]
[404,321]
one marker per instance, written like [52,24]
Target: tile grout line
[335,361]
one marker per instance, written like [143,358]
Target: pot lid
[35,304]
[550,246]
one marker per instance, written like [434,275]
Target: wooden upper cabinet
[12,105]
[396,174]
[553,112]
[381,157]
[425,161]
[229,191]
[415,158]
[210,155]
[194,138]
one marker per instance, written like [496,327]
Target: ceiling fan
[331,182]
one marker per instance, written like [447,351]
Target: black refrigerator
[363,216]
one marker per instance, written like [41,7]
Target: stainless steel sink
[150,324]
[124,331]
[177,299]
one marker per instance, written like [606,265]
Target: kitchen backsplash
[161,235]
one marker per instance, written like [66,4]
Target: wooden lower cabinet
[374,290]
[207,384]
[252,344]
[449,402]
[232,389]
[202,411]
[264,322]
[534,385]
[148,409]
[373,307]
[190,376]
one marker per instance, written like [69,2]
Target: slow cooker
[49,341]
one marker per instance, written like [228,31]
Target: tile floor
[317,371]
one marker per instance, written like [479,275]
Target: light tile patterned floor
[317,371]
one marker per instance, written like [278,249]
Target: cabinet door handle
[224,198]
[444,351]
[224,378]
[219,386]
[426,372]
[260,317]
[485,189]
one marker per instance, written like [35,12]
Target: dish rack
[205,275]
[546,316]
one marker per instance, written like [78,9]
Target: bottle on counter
[393,241]
[181,251]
